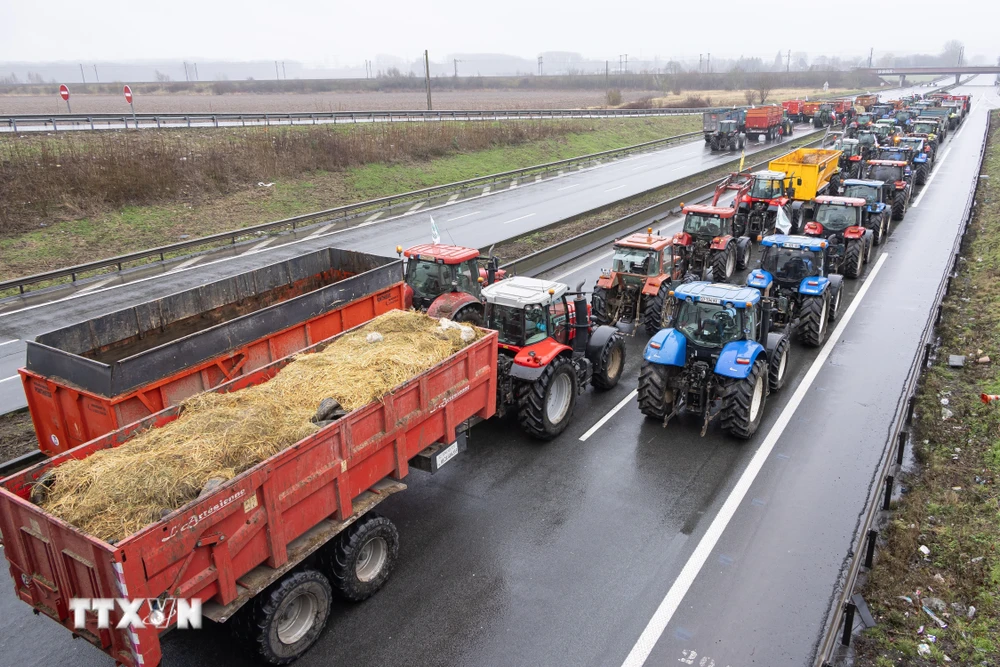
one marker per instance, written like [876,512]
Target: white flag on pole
[435,235]
[782,223]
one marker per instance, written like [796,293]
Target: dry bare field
[308,102]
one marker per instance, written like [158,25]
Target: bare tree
[749,95]
[765,84]
[161,77]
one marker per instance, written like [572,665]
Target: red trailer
[796,109]
[88,379]
[764,121]
[278,537]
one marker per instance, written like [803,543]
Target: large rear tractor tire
[743,250]
[599,306]
[815,318]
[854,258]
[724,263]
[655,311]
[656,397]
[282,623]
[610,364]
[899,205]
[921,176]
[545,406]
[882,230]
[471,315]
[743,402]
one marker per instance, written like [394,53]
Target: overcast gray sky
[341,33]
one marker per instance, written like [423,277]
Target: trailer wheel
[777,367]
[656,397]
[284,621]
[723,263]
[743,402]
[545,406]
[361,559]
[608,367]
[654,315]
[854,258]
[815,312]
[599,306]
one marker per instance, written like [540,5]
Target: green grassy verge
[952,506]
[115,232]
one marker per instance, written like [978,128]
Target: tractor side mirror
[798,181]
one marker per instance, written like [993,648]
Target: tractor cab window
[727,126]
[508,322]
[468,277]
[791,264]
[709,325]
[766,188]
[635,261]
[912,142]
[924,128]
[697,224]
[850,148]
[868,193]
[428,279]
[560,321]
[536,324]
[836,218]
[886,173]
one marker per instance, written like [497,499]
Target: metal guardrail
[37,122]
[572,248]
[370,206]
[841,624]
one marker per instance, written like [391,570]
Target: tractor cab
[786,261]
[835,215]
[640,256]
[896,151]
[446,280]
[851,156]
[711,315]
[710,239]
[634,289]
[881,110]
[885,130]
[525,311]
[863,120]
[840,220]
[767,185]
[875,214]
[920,145]
[888,171]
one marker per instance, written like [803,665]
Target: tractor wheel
[869,244]
[654,314]
[471,315]
[854,258]
[777,366]
[835,303]
[921,176]
[743,402]
[608,368]
[599,306]
[879,232]
[545,406]
[743,249]
[656,397]
[361,559]
[723,263]
[899,206]
[284,621]
[814,316]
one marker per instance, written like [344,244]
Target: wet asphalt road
[519,552]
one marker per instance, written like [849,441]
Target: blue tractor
[802,294]
[876,214]
[720,358]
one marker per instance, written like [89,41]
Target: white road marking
[641,166]
[486,191]
[379,214]
[513,184]
[262,244]
[521,218]
[8,342]
[538,178]
[416,206]
[450,199]
[617,187]
[323,229]
[182,265]
[12,377]
[462,216]
[581,266]
[661,617]
[567,187]
[90,288]
[593,429]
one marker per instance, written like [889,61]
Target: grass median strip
[940,554]
[526,244]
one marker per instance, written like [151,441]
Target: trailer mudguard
[760,279]
[813,285]
[667,347]
[737,358]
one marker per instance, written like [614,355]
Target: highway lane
[476,222]
[520,552]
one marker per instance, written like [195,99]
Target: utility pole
[95,74]
[283,75]
[961,55]
[196,71]
[186,77]
[871,54]
[709,63]
[82,75]
[699,62]
[276,76]
[788,62]
[427,79]
[540,66]
[607,79]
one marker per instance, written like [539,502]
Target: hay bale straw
[115,492]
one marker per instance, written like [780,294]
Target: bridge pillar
[902,80]
[958,79]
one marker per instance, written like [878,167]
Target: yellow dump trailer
[807,171]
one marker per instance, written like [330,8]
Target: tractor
[900,150]
[720,359]
[635,288]
[885,130]
[787,124]
[927,129]
[851,158]
[896,175]
[727,136]
[759,207]
[711,240]
[825,116]
[921,146]
[793,278]
[548,352]
[447,280]
[840,220]
[876,213]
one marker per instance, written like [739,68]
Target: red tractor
[635,288]
[710,241]
[447,281]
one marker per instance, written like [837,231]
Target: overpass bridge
[936,70]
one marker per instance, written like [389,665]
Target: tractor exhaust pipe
[581,322]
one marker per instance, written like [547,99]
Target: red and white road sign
[64,92]
[128,94]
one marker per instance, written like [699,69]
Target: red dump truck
[263,550]
[90,378]
[763,121]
